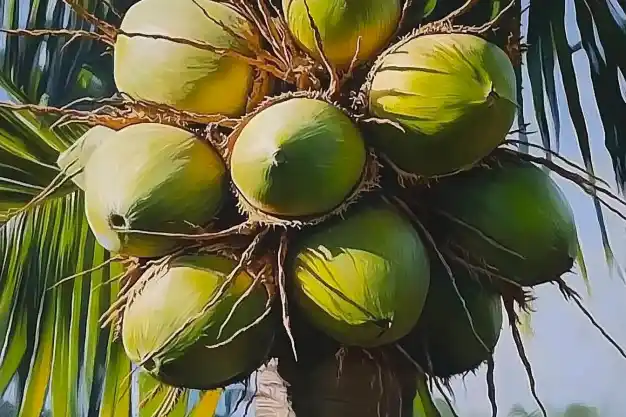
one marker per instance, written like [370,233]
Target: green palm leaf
[52,350]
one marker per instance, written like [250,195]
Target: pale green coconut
[179,75]
[363,279]
[341,23]
[73,160]
[152,323]
[444,342]
[151,177]
[451,96]
[512,217]
[298,157]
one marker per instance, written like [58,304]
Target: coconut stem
[255,283]
[245,228]
[490,24]
[465,7]
[402,205]
[491,386]
[556,155]
[346,76]
[333,87]
[587,185]
[507,285]
[85,272]
[105,27]
[521,351]
[282,255]
[239,332]
[73,34]
[570,294]
[480,233]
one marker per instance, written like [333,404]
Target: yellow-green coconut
[444,342]
[152,178]
[451,98]
[186,77]
[340,24]
[362,280]
[299,157]
[74,158]
[181,298]
[511,217]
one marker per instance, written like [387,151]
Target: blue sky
[572,363]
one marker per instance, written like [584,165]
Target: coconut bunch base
[309,369]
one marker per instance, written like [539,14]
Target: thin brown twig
[59,32]
[254,285]
[466,7]
[282,255]
[255,62]
[558,156]
[570,294]
[586,185]
[245,228]
[355,59]
[112,8]
[105,27]
[484,28]
[333,87]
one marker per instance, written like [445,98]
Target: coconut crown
[342,211]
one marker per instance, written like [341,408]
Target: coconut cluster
[388,221]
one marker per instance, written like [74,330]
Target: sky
[571,361]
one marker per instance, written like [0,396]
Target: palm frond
[52,343]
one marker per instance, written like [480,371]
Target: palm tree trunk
[353,383]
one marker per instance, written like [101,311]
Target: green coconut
[444,334]
[152,323]
[512,217]
[155,178]
[451,98]
[298,157]
[73,160]
[186,77]
[340,24]
[363,279]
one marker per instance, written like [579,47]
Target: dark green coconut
[151,324]
[363,279]
[444,333]
[153,178]
[451,96]
[512,217]
[298,157]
